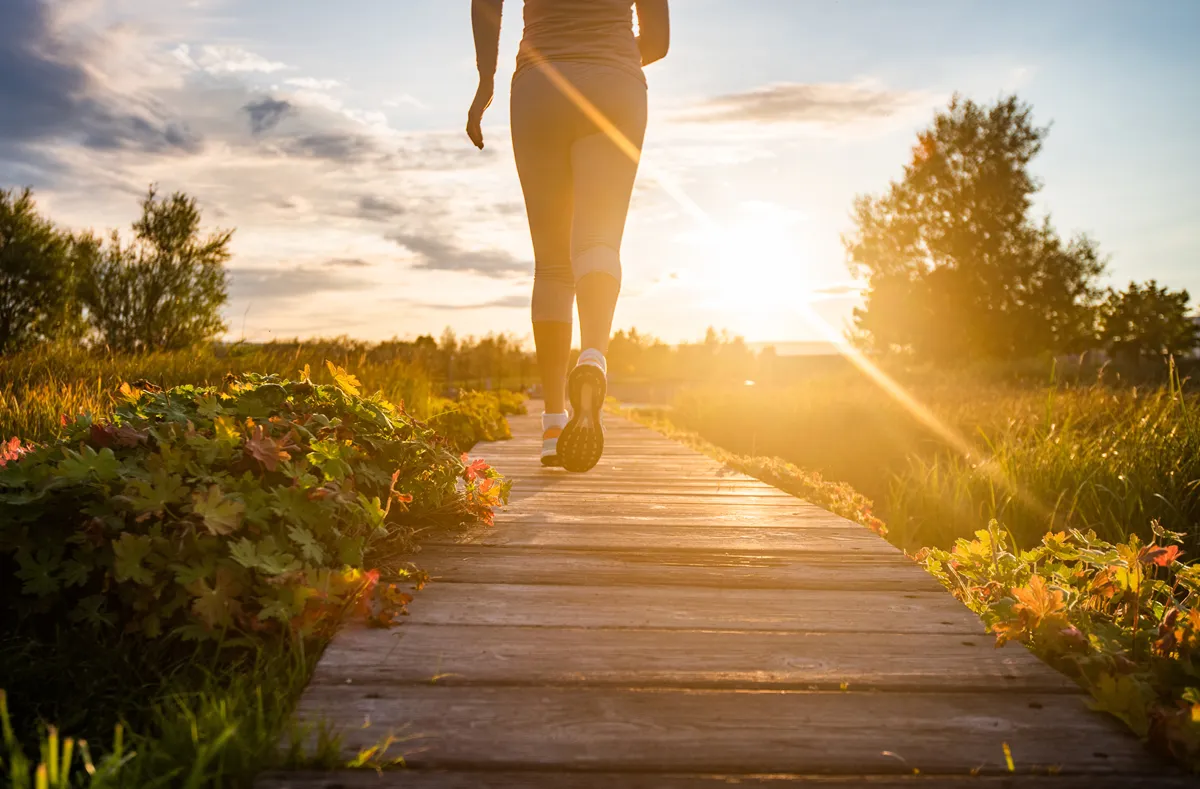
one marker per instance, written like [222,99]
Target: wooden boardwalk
[659,622]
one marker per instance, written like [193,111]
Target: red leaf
[1158,554]
[267,450]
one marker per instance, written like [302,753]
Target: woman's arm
[485,22]
[654,21]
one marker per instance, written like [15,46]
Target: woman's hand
[483,99]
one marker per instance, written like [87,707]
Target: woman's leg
[542,148]
[604,170]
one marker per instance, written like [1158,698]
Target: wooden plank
[414,653]
[688,535]
[728,731]
[617,508]
[660,489]
[664,566]
[686,608]
[439,779]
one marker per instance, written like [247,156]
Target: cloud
[266,113]
[276,282]
[218,59]
[308,83]
[435,254]
[515,301]
[378,209]
[346,263]
[49,90]
[338,146]
[830,103]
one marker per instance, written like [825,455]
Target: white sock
[554,420]
[593,357]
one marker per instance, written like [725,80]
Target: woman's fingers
[483,98]
[474,131]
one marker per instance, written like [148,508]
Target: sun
[755,269]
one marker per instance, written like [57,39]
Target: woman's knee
[597,259]
[553,295]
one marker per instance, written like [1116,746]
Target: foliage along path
[662,622]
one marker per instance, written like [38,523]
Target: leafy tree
[38,273]
[164,290]
[956,265]
[1145,321]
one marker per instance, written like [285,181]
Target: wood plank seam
[601,633]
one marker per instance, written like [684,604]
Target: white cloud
[224,59]
[309,83]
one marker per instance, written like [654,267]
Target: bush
[1122,619]
[222,513]
[475,416]
[511,403]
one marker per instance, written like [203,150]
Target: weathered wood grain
[687,608]
[440,779]
[665,622]
[667,566]
[725,730]
[609,510]
[464,779]
[694,535]
[471,655]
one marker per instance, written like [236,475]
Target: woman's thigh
[542,138]
[604,163]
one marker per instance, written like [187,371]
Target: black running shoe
[582,441]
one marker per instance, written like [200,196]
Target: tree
[1146,321]
[165,290]
[38,274]
[956,265]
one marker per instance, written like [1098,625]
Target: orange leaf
[1039,600]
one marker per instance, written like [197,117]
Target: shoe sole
[582,441]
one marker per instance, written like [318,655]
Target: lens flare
[893,388]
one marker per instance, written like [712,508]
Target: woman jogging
[578,107]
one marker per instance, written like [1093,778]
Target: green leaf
[37,570]
[245,553]
[162,490]
[80,466]
[130,552]
[217,604]
[75,573]
[331,455]
[218,514]
[309,547]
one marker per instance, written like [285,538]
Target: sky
[329,135]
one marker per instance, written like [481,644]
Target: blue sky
[329,135]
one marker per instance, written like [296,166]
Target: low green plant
[206,513]
[206,539]
[473,417]
[1122,619]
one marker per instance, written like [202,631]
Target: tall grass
[38,387]
[1040,458]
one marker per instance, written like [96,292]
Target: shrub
[1122,619]
[511,403]
[475,416]
[223,513]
